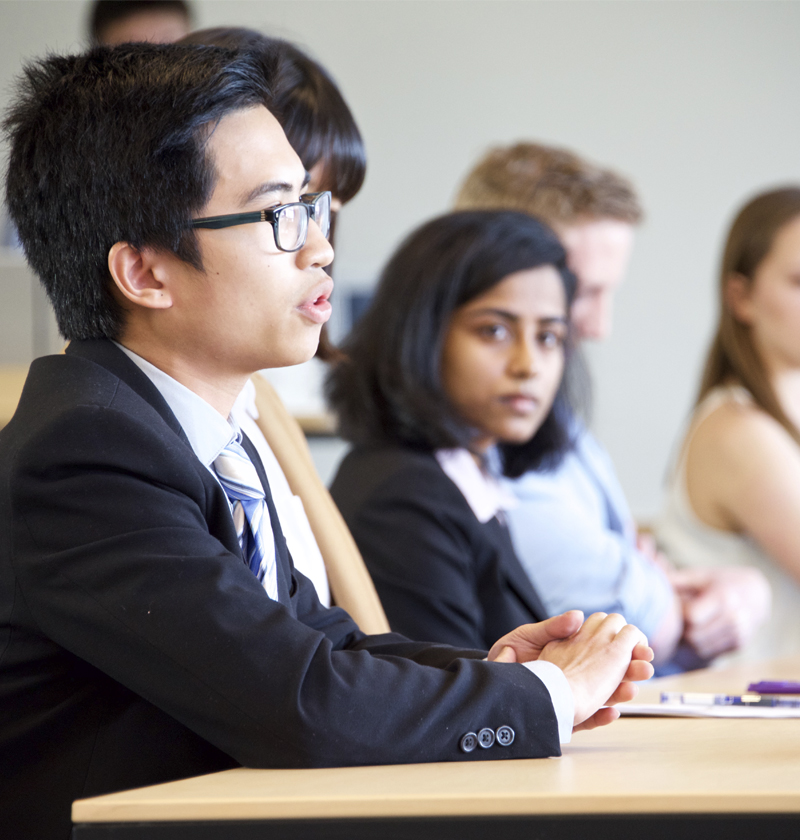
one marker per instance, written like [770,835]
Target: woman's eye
[493,332]
[551,340]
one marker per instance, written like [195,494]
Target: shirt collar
[207,430]
[483,492]
[246,402]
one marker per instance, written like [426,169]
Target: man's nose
[317,251]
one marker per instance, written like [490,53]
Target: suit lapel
[516,575]
[106,354]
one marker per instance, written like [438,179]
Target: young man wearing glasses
[151,623]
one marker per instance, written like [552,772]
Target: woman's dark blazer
[442,575]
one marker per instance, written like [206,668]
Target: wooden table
[12,378]
[649,777]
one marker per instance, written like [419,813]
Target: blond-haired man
[573,529]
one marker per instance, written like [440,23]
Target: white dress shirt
[296,528]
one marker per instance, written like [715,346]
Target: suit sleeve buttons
[505,736]
[486,738]
[468,742]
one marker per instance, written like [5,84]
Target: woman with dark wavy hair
[454,375]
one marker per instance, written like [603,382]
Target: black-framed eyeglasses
[289,221]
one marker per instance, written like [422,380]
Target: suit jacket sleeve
[115,549]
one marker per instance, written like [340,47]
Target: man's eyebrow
[267,188]
[272,187]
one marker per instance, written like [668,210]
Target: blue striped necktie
[245,493]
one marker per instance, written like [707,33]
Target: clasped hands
[601,658]
[722,606]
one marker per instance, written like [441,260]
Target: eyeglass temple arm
[216,222]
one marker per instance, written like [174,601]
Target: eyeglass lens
[293,221]
[322,212]
[292,227]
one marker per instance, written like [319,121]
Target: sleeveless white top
[689,542]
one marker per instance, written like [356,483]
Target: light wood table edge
[87,811]
[686,766]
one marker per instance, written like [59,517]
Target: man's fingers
[703,608]
[614,627]
[605,657]
[594,622]
[528,640]
[602,717]
[630,637]
[711,642]
[561,626]
[624,692]
[689,579]
[507,654]
[604,627]
[638,671]
[723,615]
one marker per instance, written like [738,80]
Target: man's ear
[737,296]
[140,275]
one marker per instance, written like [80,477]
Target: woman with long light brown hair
[735,494]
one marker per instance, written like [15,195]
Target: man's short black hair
[109,147]
[105,13]
[388,387]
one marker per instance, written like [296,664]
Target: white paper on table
[706,711]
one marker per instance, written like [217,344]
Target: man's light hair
[553,184]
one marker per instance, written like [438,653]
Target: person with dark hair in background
[113,22]
[572,529]
[322,130]
[315,116]
[458,362]
[734,494]
[152,625]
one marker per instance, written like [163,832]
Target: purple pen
[774,687]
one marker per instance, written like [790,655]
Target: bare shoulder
[735,453]
[735,429]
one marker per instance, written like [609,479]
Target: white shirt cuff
[560,695]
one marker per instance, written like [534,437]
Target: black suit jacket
[442,575]
[136,647]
